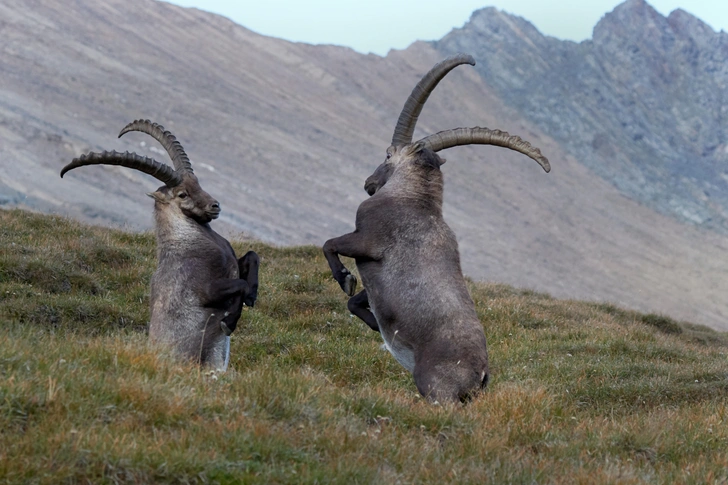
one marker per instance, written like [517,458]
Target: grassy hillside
[580,392]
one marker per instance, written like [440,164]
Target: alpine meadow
[580,392]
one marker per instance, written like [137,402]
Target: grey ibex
[415,294]
[199,287]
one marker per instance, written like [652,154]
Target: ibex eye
[389,155]
[182,195]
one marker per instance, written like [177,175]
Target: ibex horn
[483,136]
[174,148]
[413,106]
[160,171]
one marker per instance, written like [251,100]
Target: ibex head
[399,158]
[189,198]
[403,154]
[181,191]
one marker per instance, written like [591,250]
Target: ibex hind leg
[248,268]
[358,305]
[226,356]
[448,382]
[433,388]
[217,356]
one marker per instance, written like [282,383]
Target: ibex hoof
[225,329]
[350,285]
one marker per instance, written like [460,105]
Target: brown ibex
[415,294]
[199,287]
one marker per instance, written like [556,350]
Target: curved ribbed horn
[483,136]
[174,148]
[413,106]
[160,171]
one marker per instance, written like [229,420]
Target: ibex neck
[174,229]
[424,186]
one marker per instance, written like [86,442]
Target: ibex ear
[428,158]
[417,147]
[157,196]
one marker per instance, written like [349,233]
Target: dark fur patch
[428,158]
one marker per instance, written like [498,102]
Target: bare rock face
[642,104]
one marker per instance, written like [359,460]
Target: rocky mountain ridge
[642,104]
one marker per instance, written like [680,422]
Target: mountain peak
[636,22]
[633,18]
[688,25]
[494,21]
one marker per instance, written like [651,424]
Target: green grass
[580,392]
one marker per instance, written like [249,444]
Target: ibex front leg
[217,291]
[352,245]
[358,305]
[248,269]
[227,295]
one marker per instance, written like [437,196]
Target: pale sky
[379,25]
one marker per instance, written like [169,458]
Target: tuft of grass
[662,323]
[580,392]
